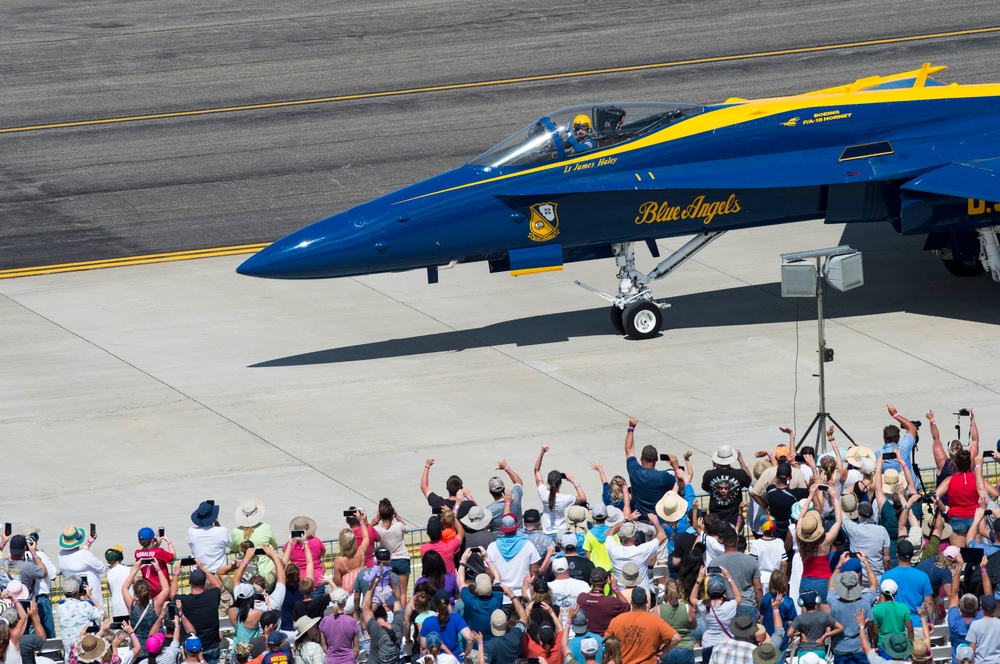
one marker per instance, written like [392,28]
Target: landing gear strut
[634,311]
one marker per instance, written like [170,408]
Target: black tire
[971,268]
[616,319]
[642,320]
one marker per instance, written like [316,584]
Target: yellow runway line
[132,260]
[505,81]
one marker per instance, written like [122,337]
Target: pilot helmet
[581,120]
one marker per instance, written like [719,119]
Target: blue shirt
[958,628]
[477,611]
[914,585]
[648,485]
[786,611]
[849,641]
[904,451]
[449,635]
[574,645]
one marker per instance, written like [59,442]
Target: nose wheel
[642,320]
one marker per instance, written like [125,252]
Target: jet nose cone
[334,247]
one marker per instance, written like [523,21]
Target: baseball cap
[964,652]
[904,550]
[383,554]
[598,575]
[889,587]
[580,622]
[953,552]
[560,565]
[784,470]
[531,516]
[196,578]
[339,596]
[243,591]
[865,510]
[599,512]
[18,544]
[988,603]
[568,540]
[484,585]
[434,528]
[434,640]
[71,585]
[146,533]
[588,646]
[192,644]
[627,531]
[716,585]
[154,644]
[782,451]
[498,623]
[496,485]
[508,524]
[276,638]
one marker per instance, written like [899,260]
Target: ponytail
[553,489]
[443,613]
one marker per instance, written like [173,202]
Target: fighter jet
[591,181]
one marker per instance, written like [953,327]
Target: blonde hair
[348,543]
[612,650]
[671,592]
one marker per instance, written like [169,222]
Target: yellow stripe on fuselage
[750,110]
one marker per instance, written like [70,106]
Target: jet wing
[977,179]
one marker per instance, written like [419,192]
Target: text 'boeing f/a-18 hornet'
[591,181]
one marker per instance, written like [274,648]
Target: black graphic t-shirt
[726,486]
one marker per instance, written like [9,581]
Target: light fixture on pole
[841,268]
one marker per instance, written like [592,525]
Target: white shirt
[565,591]
[84,565]
[513,571]
[116,579]
[713,548]
[554,520]
[43,586]
[770,554]
[209,545]
[620,554]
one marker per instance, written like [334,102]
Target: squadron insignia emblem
[544,223]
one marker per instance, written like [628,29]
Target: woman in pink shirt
[295,548]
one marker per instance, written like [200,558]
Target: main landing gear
[634,311]
[972,266]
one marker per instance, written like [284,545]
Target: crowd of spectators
[845,557]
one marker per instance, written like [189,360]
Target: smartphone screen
[161,531]
[259,552]
[93,531]
[298,533]
[8,529]
[888,455]
[93,629]
[187,562]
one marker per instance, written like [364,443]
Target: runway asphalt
[132,394]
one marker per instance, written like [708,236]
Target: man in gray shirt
[742,567]
[386,637]
[497,491]
[868,538]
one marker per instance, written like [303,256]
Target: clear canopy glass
[548,138]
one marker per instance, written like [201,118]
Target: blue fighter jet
[591,181]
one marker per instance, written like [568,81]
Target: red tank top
[817,567]
[963,496]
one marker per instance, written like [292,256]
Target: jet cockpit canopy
[547,139]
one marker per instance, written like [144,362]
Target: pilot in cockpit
[582,137]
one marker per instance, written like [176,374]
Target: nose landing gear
[634,311]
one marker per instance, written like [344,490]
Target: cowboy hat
[671,507]
[91,648]
[249,513]
[303,625]
[857,453]
[724,456]
[301,523]
[810,526]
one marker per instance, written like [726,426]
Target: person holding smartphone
[151,548]
[206,539]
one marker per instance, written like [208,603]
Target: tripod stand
[825,355]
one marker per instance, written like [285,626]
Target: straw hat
[810,526]
[671,507]
[91,648]
[301,523]
[249,513]
[890,481]
[758,469]
[857,453]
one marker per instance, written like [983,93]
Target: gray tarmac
[134,393]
